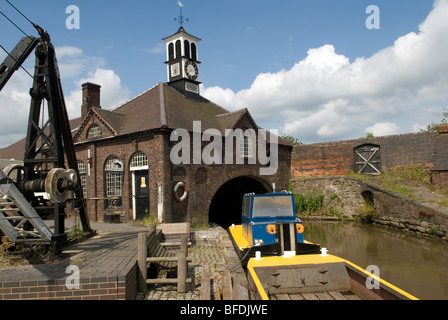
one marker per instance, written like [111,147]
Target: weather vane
[181,18]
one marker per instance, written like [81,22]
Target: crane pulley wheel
[14,167]
[59,183]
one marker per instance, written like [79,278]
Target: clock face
[191,70]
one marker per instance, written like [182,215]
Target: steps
[15,212]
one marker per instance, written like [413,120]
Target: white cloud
[74,67]
[14,108]
[68,51]
[157,49]
[328,97]
[383,129]
[73,63]
[112,91]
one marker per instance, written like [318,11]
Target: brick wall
[203,181]
[440,178]
[116,287]
[155,148]
[336,158]
[162,172]
[390,208]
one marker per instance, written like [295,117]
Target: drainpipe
[171,184]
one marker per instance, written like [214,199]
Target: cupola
[182,61]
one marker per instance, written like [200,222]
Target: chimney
[90,97]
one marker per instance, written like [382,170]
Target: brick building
[125,155]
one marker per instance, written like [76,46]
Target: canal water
[416,264]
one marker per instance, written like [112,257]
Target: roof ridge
[132,99]
[162,106]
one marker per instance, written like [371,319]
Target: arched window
[82,169]
[171,51]
[194,55]
[113,172]
[178,49]
[139,161]
[94,132]
[187,48]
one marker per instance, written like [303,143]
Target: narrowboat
[282,265]
[270,226]
[316,277]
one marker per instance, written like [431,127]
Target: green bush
[367,212]
[309,204]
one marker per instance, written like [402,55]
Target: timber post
[142,254]
[182,266]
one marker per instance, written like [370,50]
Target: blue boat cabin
[270,219]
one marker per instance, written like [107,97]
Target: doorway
[140,194]
[140,186]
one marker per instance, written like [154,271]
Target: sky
[310,69]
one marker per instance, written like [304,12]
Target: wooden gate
[368,160]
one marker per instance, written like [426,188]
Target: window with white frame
[82,169]
[94,132]
[113,172]
[246,144]
[139,161]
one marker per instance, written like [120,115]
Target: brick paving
[211,251]
[105,264]
[107,268]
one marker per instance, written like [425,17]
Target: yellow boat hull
[317,277]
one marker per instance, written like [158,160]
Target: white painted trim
[134,211]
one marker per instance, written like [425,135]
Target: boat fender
[176,187]
[271,229]
[300,228]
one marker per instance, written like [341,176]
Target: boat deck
[334,295]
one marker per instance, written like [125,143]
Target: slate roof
[162,106]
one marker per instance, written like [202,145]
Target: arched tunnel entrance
[226,205]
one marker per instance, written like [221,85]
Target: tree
[293,140]
[435,126]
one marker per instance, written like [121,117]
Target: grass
[76,234]
[444,202]
[404,181]
[367,212]
[27,254]
[316,204]
[150,218]
[401,180]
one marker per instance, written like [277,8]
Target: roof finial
[181,18]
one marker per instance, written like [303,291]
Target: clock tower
[182,62]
